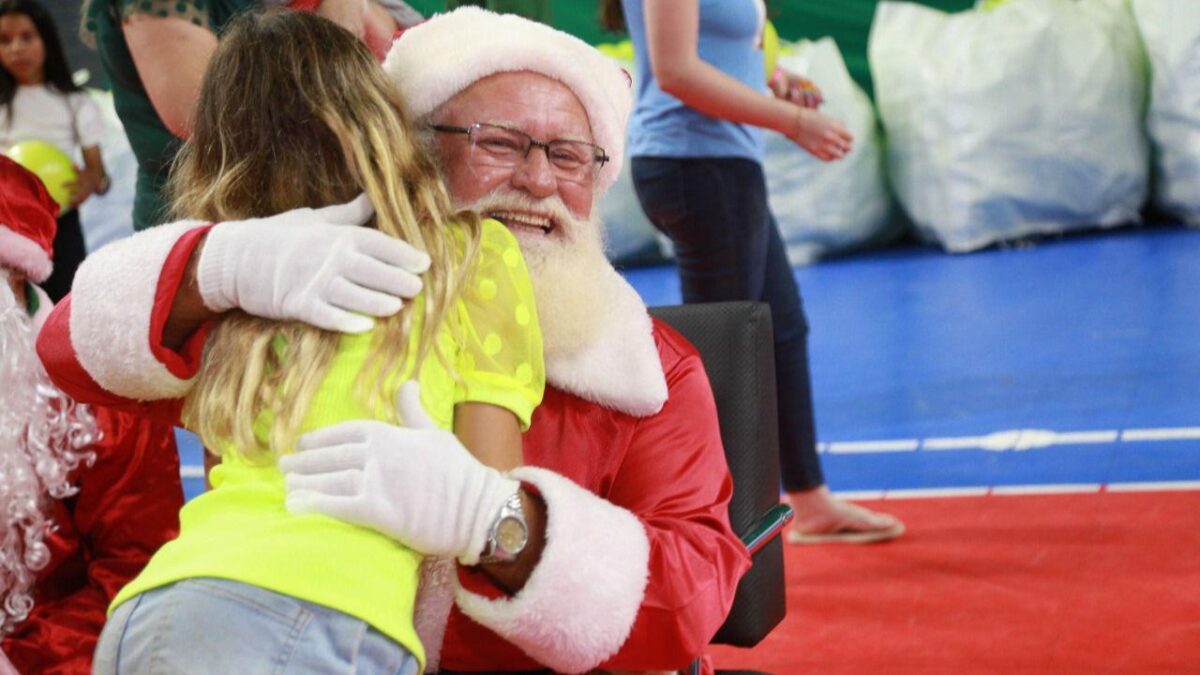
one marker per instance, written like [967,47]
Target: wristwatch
[509,533]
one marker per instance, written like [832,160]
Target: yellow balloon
[770,42]
[51,165]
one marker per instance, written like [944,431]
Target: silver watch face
[511,535]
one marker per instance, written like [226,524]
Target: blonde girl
[294,112]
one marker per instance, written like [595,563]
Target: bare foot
[822,518]
[823,136]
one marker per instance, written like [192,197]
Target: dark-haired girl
[39,101]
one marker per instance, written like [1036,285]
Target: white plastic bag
[1171,33]
[823,207]
[1025,119]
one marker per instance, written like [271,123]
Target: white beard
[43,435]
[573,282]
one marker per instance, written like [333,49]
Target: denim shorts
[226,627]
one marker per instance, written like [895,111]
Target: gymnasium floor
[1065,364]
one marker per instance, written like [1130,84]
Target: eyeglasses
[494,145]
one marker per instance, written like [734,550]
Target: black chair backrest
[735,343]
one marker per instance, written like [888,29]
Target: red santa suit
[640,565]
[127,507]
[115,508]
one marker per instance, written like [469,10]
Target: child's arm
[491,433]
[93,179]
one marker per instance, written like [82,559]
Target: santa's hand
[316,266]
[416,484]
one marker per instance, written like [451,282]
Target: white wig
[43,438]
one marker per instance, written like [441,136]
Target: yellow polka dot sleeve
[500,355]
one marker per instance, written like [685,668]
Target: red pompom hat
[27,222]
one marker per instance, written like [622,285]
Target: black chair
[736,346]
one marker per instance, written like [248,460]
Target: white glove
[415,484]
[315,266]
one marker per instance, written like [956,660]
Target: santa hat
[435,60]
[27,222]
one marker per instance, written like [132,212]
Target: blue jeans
[728,247]
[224,627]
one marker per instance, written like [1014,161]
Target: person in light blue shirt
[695,140]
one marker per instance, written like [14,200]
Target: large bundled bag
[821,207]
[1171,33]
[1019,120]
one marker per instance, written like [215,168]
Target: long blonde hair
[295,112]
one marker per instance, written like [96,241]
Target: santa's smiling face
[549,214]
[541,108]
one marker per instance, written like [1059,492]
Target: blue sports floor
[1070,364]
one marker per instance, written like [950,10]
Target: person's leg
[820,517]
[798,461]
[221,626]
[728,247]
[69,251]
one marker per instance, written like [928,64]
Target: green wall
[847,21]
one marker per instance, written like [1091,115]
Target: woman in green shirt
[155,52]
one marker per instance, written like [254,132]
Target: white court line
[1166,434]
[922,493]
[953,443]
[1010,440]
[1085,437]
[1018,490]
[861,495]
[1163,486]
[856,447]
[1049,489]
[191,471]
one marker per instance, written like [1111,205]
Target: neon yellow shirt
[240,530]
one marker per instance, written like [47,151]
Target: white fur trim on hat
[112,303]
[23,254]
[432,62]
[578,607]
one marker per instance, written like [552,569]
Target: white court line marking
[1048,489]
[855,447]
[1166,434]
[1010,440]
[1019,490]
[921,493]
[1085,437]
[953,443]
[861,495]
[1163,486]
[191,471]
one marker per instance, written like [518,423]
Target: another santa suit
[126,507]
[640,565]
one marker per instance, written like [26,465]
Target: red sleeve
[304,5]
[682,499]
[59,357]
[126,508]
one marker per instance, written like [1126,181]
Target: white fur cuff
[112,303]
[579,605]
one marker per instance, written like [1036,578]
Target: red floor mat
[1088,583]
